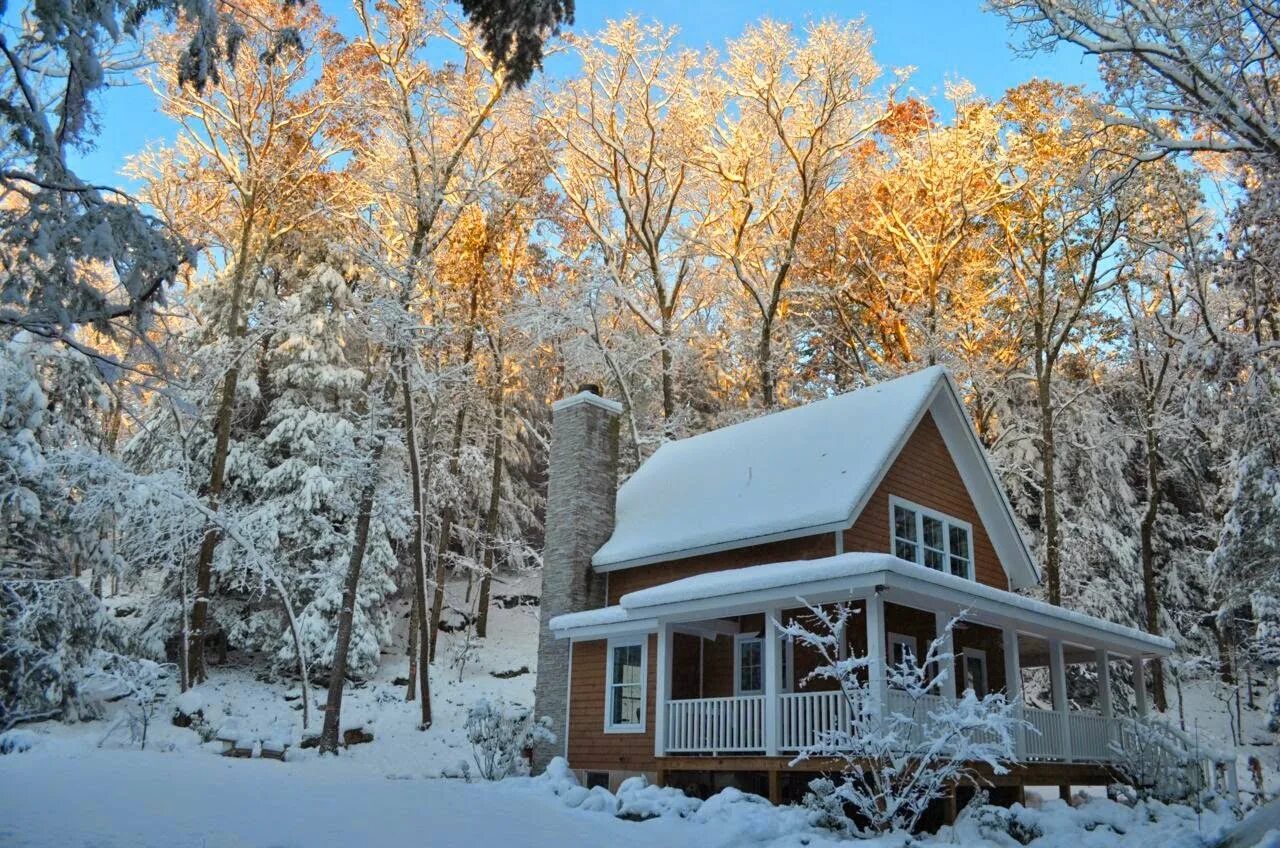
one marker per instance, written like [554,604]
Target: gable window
[931,539]
[975,671]
[625,675]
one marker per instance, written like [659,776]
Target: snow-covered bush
[17,741]
[638,800]
[51,635]
[896,762]
[1158,762]
[500,732]
[140,683]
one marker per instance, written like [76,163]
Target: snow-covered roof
[817,579]
[798,472]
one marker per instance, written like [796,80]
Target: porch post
[1104,684]
[1013,686]
[946,688]
[1058,676]
[772,679]
[663,690]
[1139,686]
[877,687]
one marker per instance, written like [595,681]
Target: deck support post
[772,678]
[947,687]
[1058,677]
[662,682]
[1139,686]
[775,787]
[1013,686]
[876,666]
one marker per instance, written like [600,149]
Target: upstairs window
[931,539]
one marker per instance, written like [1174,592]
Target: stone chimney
[581,496]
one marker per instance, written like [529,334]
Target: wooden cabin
[657,656]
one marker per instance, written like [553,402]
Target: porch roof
[845,576]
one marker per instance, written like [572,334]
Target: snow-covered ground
[74,789]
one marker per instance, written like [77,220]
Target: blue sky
[942,39]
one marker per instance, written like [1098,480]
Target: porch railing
[737,725]
[715,725]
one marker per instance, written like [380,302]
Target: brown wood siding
[589,746]
[925,474]
[645,576]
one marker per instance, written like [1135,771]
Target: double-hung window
[748,675]
[625,674]
[931,539]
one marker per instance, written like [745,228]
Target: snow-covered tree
[896,762]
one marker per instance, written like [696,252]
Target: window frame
[609,686]
[978,654]
[787,657]
[948,521]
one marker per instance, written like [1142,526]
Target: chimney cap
[588,393]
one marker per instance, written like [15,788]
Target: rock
[400,681]
[311,742]
[510,673]
[356,736]
[181,719]
[512,601]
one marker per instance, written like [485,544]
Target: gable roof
[799,472]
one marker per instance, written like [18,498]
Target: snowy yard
[61,797]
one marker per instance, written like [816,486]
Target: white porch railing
[715,725]
[737,725]
[805,716]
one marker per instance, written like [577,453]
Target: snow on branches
[896,760]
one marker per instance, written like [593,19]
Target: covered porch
[736,687]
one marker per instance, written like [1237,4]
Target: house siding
[925,474]
[590,748]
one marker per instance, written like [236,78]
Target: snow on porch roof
[801,469]
[792,579]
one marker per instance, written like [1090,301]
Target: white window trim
[921,512]
[981,656]
[903,639]
[788,646]
[626,642]
[738,641]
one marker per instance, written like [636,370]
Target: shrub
[499,733]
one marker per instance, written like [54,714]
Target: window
[931,539]
[625,675]
[750,665]
[901,648]
[975,671]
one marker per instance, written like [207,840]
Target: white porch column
[1139,686]
[1104,684]
[877,685]
[663,690]
[1013,685]
[947,688]
[772,679]
[1058,676]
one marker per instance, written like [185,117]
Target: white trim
[609,686]
[948,521]
[568,702]
[662,681]
[738,641]
[980,655]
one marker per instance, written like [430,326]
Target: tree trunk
[668,379]
[1146,533]
[446,532]
[196,672]
[425,636]
[415,620]
[495,489]
[765,364]
[338,673]
[1049,499]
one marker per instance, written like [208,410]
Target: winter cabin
[654,656]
